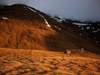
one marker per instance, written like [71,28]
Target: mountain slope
[23,27]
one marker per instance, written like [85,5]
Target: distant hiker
[67,52]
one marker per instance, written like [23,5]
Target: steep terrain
[33,43]
[23,27]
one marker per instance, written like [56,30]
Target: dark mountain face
[91,29]
[23,27]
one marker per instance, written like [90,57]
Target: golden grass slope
[37,62]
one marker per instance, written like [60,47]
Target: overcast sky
[74,9]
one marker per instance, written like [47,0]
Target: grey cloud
[75,9]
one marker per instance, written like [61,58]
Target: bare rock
[67,51]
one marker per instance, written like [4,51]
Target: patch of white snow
[87,27]
[82,49]
[45,20]
[58,20]
[57,27]
[96,31]
[96,41]
[92,27]
[82,28]
[80,34]
[31,9]
[4,18]
[90,24]
[80,24]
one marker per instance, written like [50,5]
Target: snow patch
[92,27]
[80,34]
[82,49]
[90,24]
[40,15]
[4,18]
[45,20]
[82,28]
[57,27]
[96,31]
[80,24]
[58,20]
[87,27]
[96,41]
[31,9]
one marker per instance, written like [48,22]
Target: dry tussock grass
[39,62]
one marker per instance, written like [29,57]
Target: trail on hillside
[27,62]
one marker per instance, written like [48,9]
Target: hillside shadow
[68,39]
[60,45]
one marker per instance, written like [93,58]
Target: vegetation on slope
[25,29]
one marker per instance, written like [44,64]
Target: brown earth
[37,62]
